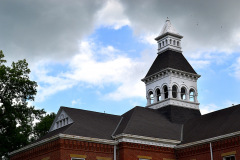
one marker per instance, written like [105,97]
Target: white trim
[155,76]
[146,140]
[88,139]
[65,136]
[174,102]
[208,140]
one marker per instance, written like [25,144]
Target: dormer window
[61,120]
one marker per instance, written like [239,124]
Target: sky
[92,54]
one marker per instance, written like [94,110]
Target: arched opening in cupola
[192,95]
[151,97]
[183,93]
[158,94]
[174,91]
[165,91]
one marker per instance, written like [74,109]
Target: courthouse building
[169,127]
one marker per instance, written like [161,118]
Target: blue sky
[92,55]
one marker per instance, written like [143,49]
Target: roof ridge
[221,110]
[129,121]
[90,111]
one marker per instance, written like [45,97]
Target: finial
[167,19]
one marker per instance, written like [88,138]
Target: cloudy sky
[92,54]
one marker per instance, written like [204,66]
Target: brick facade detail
[61,149]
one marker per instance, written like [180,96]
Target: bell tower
[171,80]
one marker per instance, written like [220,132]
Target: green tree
[16,117]
[41,128]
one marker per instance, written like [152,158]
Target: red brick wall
[62,148]
[131,151]
[202,152]
[51,149]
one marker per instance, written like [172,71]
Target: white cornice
[161,73]
[208,140]
[174,102]
[65,136]
[88,139]
[146,140]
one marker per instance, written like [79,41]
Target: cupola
[169,38]
[171,80]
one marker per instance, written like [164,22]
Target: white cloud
[199,64]
[208,108]
[95,66]
[112,14]
[234,69]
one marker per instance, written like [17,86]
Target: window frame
[229,156]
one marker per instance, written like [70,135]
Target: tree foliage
[16,117]
[41,128]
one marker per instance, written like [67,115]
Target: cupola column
[195,98]
[169,92]
[148,100]
[178,95]
[187,96]
[162,95]
[155,97]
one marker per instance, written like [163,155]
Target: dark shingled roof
[88,124]
[165,123]
[213,124]
[170,59]
[179,115]
[148,122]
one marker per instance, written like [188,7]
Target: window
[158,93]
[166,42]
[174,42]
[77,157]
[192,95]
[165,90]
[177,43]
[170,41]
[174,91]
[183,93]
[232,157]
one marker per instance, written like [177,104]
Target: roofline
[168,33]
[64,136]
[171,69]
[124,135]
[208,140]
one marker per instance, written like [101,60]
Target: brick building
[170,127]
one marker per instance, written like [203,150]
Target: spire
[168,28]
[169,38]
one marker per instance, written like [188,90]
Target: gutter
[208,140]
[64,136]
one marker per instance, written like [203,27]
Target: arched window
[158,93]
[174,91]
[192,95]
[174,42]
[177,43]
[150,94]
[183,93]
[165,91]
[170,41]
[159,45]
[166,42]
[163,43]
